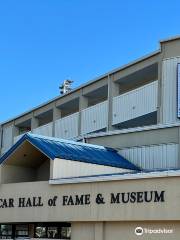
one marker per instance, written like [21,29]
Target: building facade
[135,110]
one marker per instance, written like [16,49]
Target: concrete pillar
[113,91]
[1,136]
[51,169]
[83,103]
[56,113]
[159,97]
[56,116]
[98,231]
[179,147]
[82,231]
[34,122]
[15,132]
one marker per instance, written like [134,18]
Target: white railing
[94,118]
[4,149]
[46,130]
[67,127]
[16,138]
[136,103]
[7,139]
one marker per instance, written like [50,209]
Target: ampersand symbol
[100,199]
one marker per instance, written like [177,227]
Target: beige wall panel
[126,230]
[43,109]
[11,174]
[68,97]
[136,67]
[94,86]
[7,124]
[167,210]
[64,168]
[171,48]
[82,231]
[23,118]
[138,138]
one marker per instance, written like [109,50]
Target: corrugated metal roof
[71,150]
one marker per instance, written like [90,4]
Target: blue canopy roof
[71,150]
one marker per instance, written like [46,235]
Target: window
[40,232]
[5,231]
[66,232]
[22,231]
[53,230]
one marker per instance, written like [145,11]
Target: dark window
[66,232]
[22,231]
[5,231]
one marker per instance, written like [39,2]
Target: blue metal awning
[71,150]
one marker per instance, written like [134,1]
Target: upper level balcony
[131,102]
[67,127]
[140,102]
[94,118]
[46,130]
[41,124]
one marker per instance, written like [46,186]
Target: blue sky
[43,42]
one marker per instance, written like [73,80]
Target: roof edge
[169,39]
[41,142]
[131,63]
[118,177]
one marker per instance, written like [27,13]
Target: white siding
[16,138]
[94,118]
[63,168]
[135,103]
[45,130]
[7,138]
[4,149]
[153,156]
[67,127]
[169,90]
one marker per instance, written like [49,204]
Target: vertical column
[7,137]
[56,115]
[1,134]
[159,96]
[83,103]
[178,148]
[51,169]
[113,90]
[15,132]
[34,122]
[98,230]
